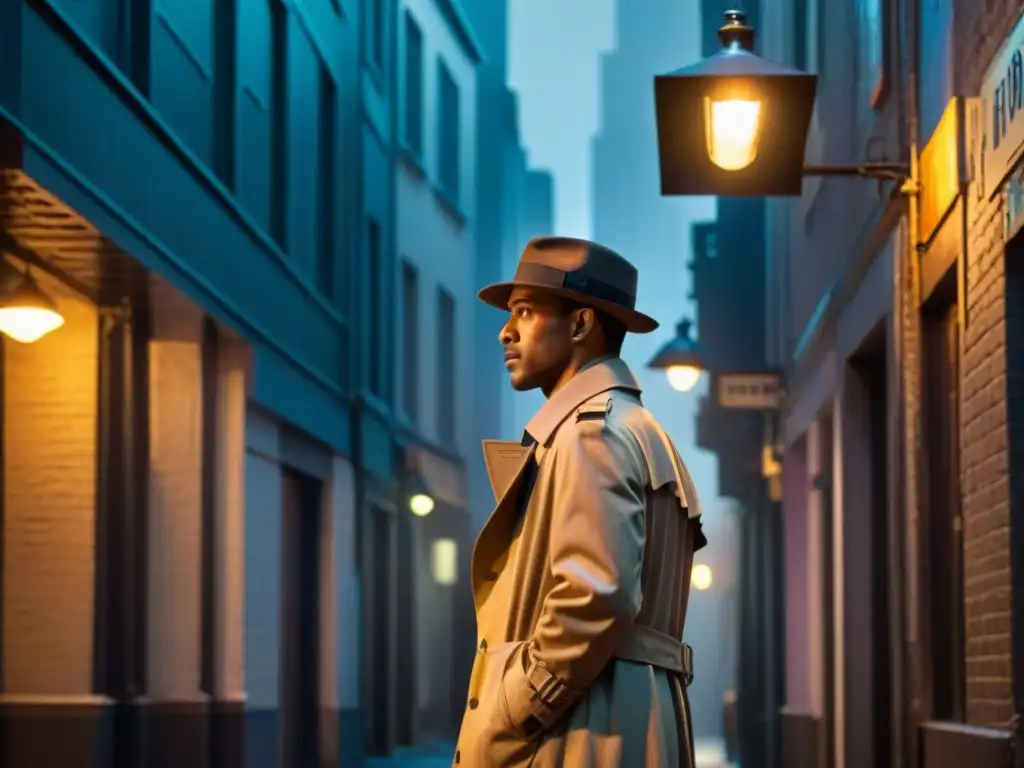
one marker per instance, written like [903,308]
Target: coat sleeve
[596,552]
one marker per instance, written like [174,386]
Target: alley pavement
[710,754]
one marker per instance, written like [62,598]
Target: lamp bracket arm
[881,171]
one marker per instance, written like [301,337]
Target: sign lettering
[1002,96]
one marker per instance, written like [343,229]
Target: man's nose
[507,333]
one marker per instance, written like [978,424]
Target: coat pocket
[490,737]
[493,704]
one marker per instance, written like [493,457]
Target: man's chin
[521,383]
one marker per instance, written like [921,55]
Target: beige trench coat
[581,597]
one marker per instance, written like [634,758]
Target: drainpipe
[906,312]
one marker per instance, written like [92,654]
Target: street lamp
[682,359]
[736,124]
[700,577]
[26,312]
[421,501]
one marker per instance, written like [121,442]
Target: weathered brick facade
[985,471]
[979,30]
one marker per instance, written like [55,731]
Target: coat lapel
[506,466]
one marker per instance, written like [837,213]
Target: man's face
[538,340]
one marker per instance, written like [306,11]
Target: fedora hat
[580,270]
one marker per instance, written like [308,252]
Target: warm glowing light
[732,127]
[28,324]
[700,576]
[420,504]
[445,561]
[683,378]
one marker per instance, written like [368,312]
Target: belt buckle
[687,664]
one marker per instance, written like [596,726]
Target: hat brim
[498,294]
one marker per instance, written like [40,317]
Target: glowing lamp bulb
[700,577]
[28,324]
[733,127]
[420,504]
[682,378]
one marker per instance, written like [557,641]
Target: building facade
[440,56]
[180,457]
[892,313]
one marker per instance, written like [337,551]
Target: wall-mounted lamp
[700,577]
[682,359]
[26,312]
[421,501]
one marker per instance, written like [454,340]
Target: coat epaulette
[592,411]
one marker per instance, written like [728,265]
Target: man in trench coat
[581,574]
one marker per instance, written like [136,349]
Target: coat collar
[597,376]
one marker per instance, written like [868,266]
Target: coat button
[458,757]
[483,645]
[474,703]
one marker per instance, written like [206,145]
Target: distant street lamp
[700,577]
[682,359]
[26,312]
[736,124]
[421,501]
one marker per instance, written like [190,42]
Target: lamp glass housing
[421,504]
[27,313]
[732,128]
[28,324]
[683,378]
[700,577]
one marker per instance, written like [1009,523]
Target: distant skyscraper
[630,215]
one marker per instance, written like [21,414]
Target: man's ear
[583,322]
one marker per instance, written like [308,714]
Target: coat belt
[646,645]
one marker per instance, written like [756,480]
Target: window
[446,394]
[375,16]
[374,266]
[448,132]
[413,85]
[279,125]
[225,86]
[327,142]
[410,341]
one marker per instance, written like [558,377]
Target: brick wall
[49,499]
[979,31]
[984,472]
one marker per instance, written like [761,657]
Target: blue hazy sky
[553,54]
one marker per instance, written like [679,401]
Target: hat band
[543,275]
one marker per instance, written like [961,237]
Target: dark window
[279,125]
[377,20]
[225,90]
[446,394]
[375,378]
[410,341]
[448,132]
[326,183]
[413,85]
